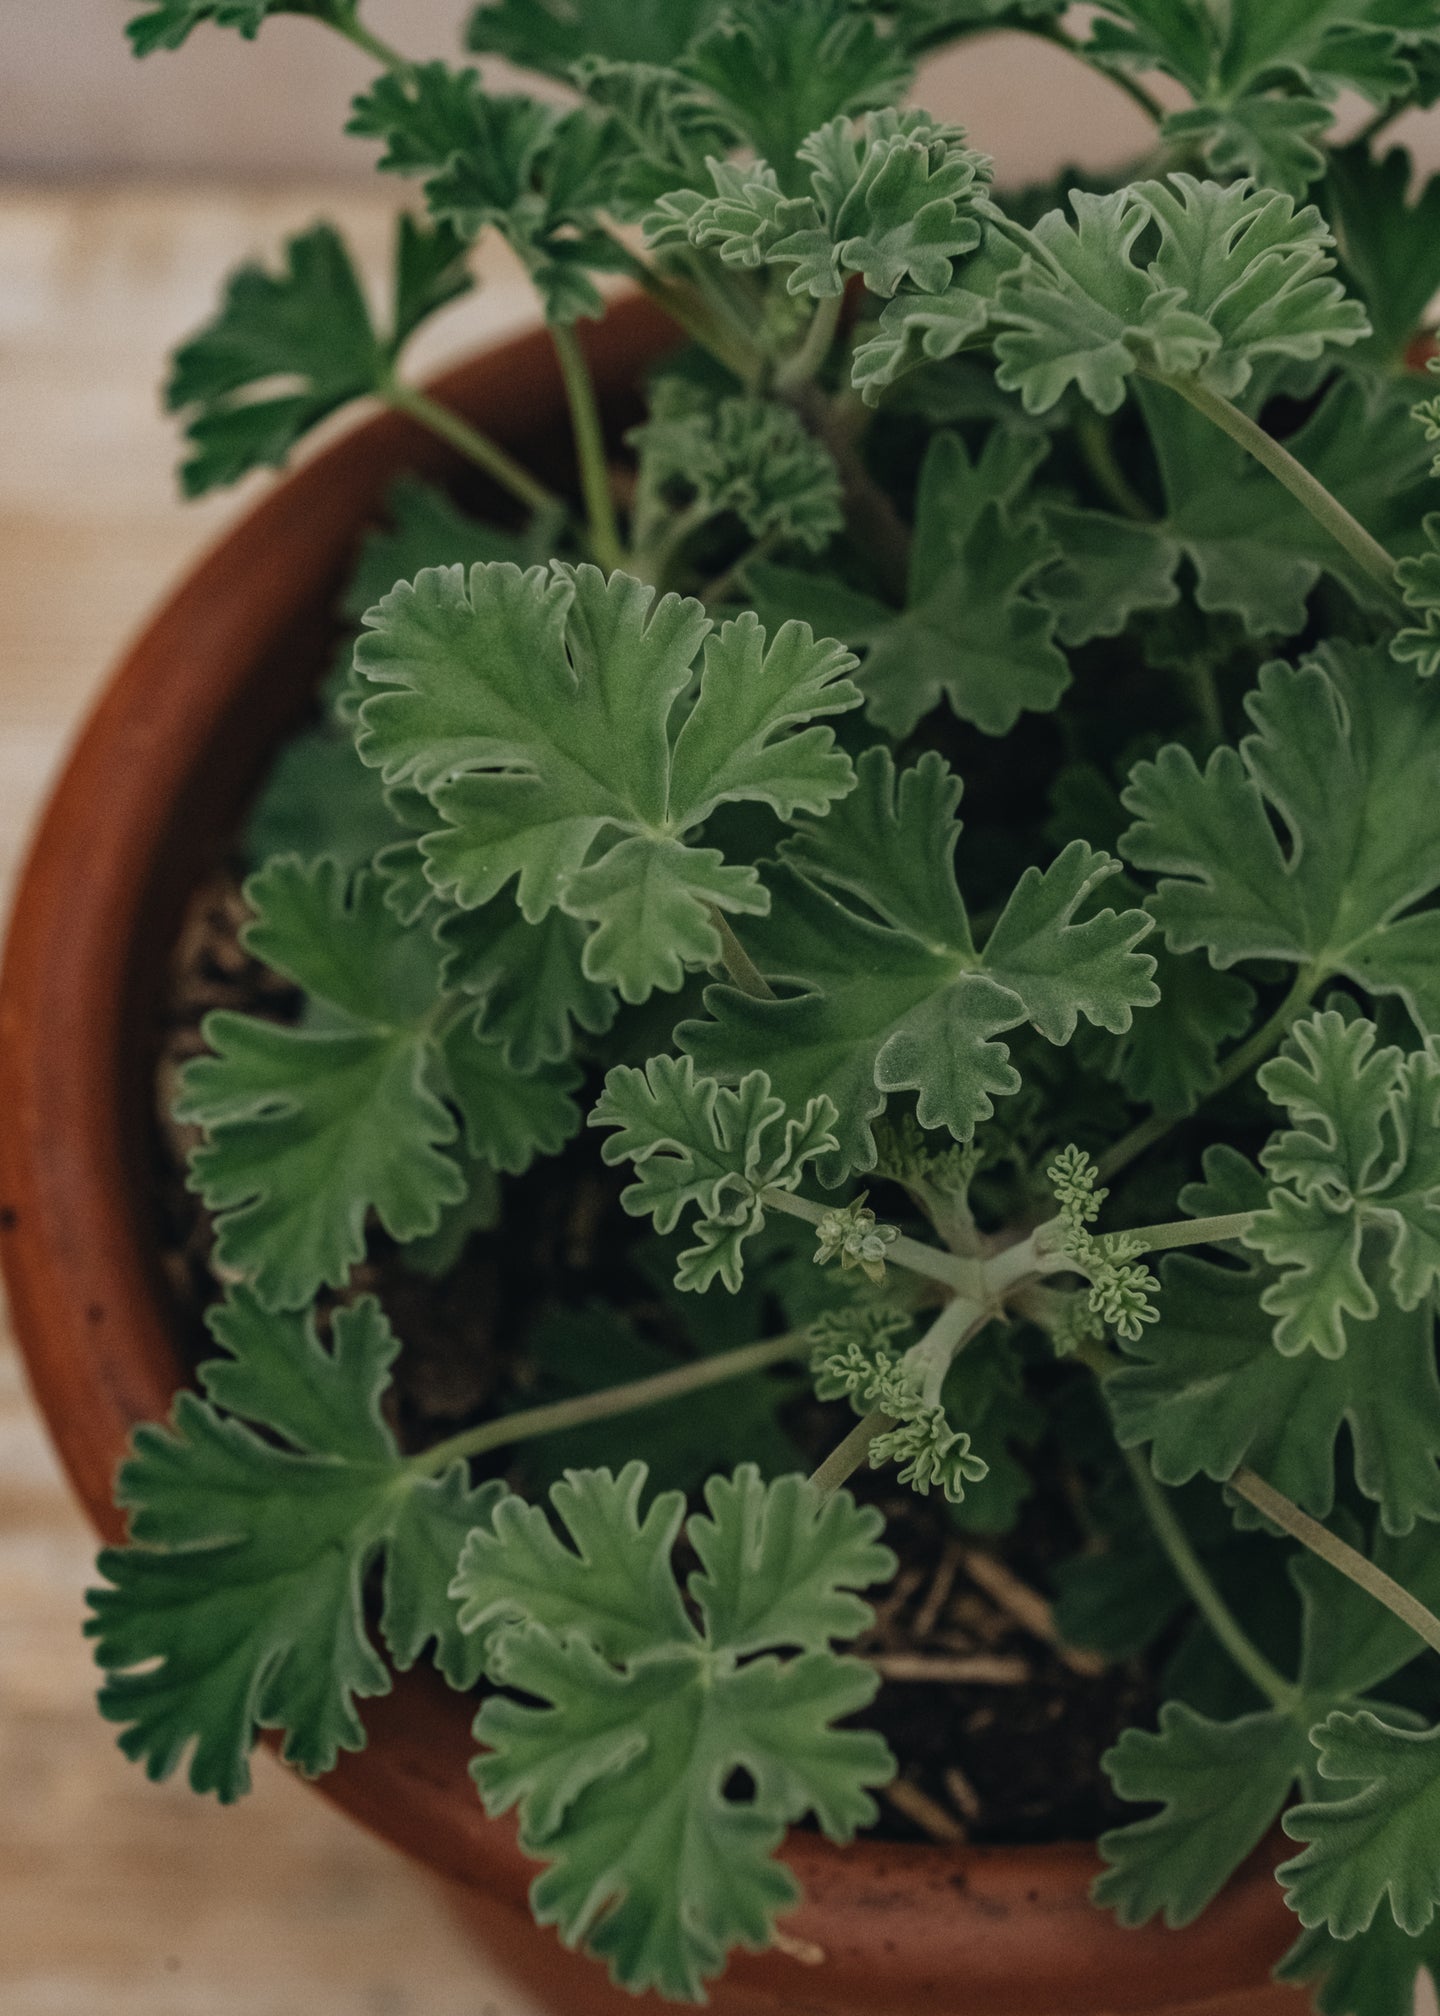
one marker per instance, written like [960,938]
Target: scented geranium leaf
[536,175]
[895,197]
[1362,1157]
[1220,1786]
[1374,1974]
[898,998]
[553,35]
[670,130]
[1375,1846]
[320,799]
[1104,571]
[1237,276]
[1169,1058]
[973,632]
[704,456]
[1344,758]
[425,529]
[1274,139]
[780,73]
[1209,1391]
[312,1127]
[619,1760]
[167,23]
[1418,644]
[1256,554]
[1351,1645]
[697,1144]
[1387,242]
[238,1604]
[535,711]
[509,1118]
[528,978]
[287,349]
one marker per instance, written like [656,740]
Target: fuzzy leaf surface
[1379,1845]
[238,1604]
[619,1760]
[534,710]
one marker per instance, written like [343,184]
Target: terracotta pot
[146,804]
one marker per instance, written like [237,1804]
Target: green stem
[930,1360]
[845,1459]
[1367,552]
[354,30]
[1192,1232]
[605,545]
[1093,436]
[965,1277]
[805,364]
[1237,1065]
[737,961]
[872,518]
[1051,31]
[531,1422]
[1320,1540]
[488,455]
[1206,1597]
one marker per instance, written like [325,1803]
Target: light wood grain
[119,1898]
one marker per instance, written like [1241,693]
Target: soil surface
[998,1726]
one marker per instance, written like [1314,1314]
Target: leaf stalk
[603,529]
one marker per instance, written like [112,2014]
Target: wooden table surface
[118,1897]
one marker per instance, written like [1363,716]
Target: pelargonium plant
[637,811]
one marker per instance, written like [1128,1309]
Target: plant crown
[1107,513]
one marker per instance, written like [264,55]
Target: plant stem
[1320,1540]
[872,518]
[488,455]
[1192,1232]
[1206,1597]
[802,367]
[531,1422]
[737,961]
[1132,87]
[1367,552]
[1093,436]
[965,1277]
[348,23]
[845,1459]
[1236,1066]
[604,531]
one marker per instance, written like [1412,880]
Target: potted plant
[824,1320]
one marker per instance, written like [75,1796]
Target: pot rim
[158,774]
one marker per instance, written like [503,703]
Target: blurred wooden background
[126,192]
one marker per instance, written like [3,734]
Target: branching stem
[1320,1540]
[965,1277]
[845,1459]
[604,531]
[531,1422]
[804,365]
[478,448]
[1327,510]
[1206,1597]
[1192,1232]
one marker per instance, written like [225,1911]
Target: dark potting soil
[998,1726]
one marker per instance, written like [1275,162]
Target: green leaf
[973,632]
[1419,578]
[1169,1058]
[895,197]
[313,1126]
[529,980]
[1343,758]
[1276,140]
[1376,1844]
[1361,1161]
[1236,276]
[897,998]
[238,1604]
[1373,1974]
[1105,571]
[1209,1391]
[553,35]
[534,710]
[638,1717]
[697,1144]
[1220,1786]
[320,799]
[1387,242]
[748,456]
[669,125]
[537,176]
[167,23]
[286,350]
[425,529]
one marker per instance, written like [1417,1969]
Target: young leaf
[286,350]
[695,1143]
[1220,1786]
[973,631]
[1344,758]
[638,1718]
[553,35]
[899,999]
[238,1604]
[167,23]
[1419,580]
[1209,1391]
[896,198]
[1237,276]
[534,710]
[529,980]
[313,1126]
[1378,1844]
[1363,1157]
